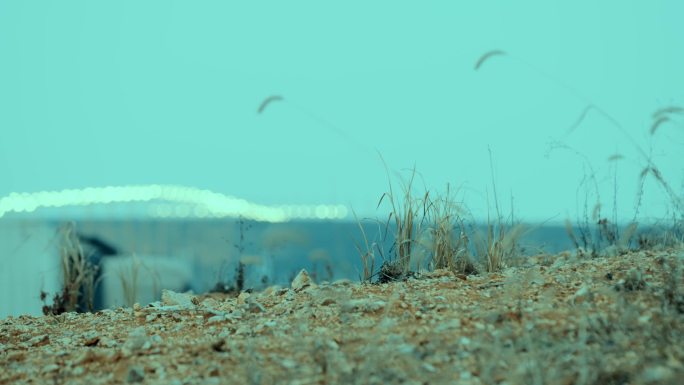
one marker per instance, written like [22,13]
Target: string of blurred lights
[168,201]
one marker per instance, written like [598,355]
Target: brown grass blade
[267,101]
[627,235]
[580,118]
[657,123]
[668,110]
[487,56]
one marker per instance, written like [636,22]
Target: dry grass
[448,242]
[607,233]
[667,116]
[407,214]
[130,277]
[129,283]
[499,244]
[430,231]
[367,253]
[78,276]
[417,224]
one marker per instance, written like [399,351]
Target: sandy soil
[559,319]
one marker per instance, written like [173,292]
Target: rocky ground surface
[562,319]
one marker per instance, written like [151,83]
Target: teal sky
[96,93]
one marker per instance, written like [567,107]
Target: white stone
[302,281]
[171,298]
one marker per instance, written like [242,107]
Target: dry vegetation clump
[367,253]
[599,235]
[406,224]
[429,232]
[498,246]
[129,277]
[448,241]
[78,276]
[407,213]
[272,240]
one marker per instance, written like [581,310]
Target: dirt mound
[559,319]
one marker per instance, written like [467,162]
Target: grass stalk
[407,218]
[78,276]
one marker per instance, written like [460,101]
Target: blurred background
[188,136]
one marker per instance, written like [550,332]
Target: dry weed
[78,276]
[407,214]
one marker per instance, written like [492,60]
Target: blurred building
[146,238]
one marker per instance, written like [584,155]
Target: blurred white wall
[144,276]
[29,263]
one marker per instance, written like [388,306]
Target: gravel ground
[558,319]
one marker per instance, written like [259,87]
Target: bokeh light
[168,201]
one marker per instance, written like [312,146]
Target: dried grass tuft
[499,244]
[367,253]
[78,276]
[449,242]
[407,213]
